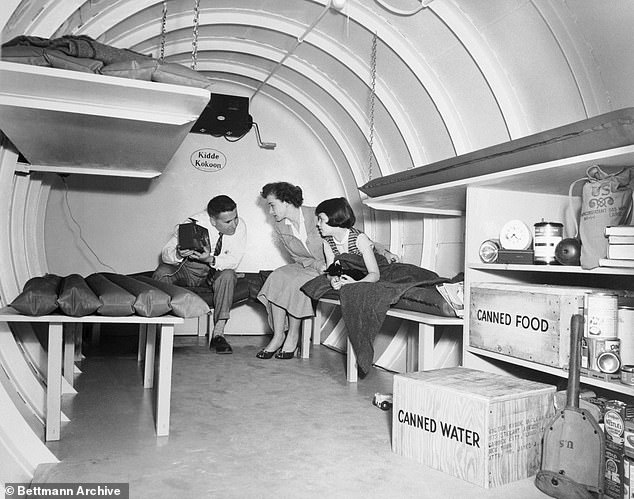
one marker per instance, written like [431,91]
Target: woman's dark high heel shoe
[285,355]
[264,354]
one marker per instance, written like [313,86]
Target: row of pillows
[106,294]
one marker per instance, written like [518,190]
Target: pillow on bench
[39,296]
[184,302]
[76,298]
[427,300]
[149,300]
[114,300]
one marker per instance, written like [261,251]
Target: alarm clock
[515,235]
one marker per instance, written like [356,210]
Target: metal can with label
[627,374]
[603,355]
[601,311]
[489,250]
[625,333]
[546,238]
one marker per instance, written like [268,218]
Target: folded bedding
[364,305]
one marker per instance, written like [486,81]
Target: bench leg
[79,343]
[69,352]
[150,352]
[307,329]
[203,323]
[140,355]
[425,347]
[54,381]
[95,335]
[318,322]
[352,374]
[164,381]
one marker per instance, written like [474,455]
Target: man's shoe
[220,344]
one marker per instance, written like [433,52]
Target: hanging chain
[195,40]
[163,23]
[372,104]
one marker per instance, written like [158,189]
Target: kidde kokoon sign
[208,160]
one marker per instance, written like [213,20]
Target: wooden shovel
[574,443]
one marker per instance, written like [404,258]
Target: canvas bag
[606,199]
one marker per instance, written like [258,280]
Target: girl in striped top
[335,220]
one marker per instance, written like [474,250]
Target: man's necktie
[218,247]
[212,271]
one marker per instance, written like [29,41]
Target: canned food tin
[625,333]
[547,236]
[627,374]
[601,311]
[603,355]
[489,250]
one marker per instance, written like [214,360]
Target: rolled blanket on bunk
[82,53]
[80,46]
[364,305]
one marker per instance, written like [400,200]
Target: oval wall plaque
[208,160]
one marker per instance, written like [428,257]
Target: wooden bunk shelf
[75,122]
[551,177]
[546,163]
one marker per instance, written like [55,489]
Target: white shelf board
[89,123]
[562,373]
[561,269]
[444,199]
[108,172]
[551,177]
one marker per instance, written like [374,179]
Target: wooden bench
[423,341]
[62,331]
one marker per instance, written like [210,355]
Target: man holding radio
[214,264]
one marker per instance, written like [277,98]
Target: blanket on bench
[364,305]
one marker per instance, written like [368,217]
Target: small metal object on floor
[383,401]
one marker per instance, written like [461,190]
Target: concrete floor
[242,427]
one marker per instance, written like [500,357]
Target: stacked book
[620,246]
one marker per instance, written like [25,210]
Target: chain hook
[195,38]
[163,31]
[372,105]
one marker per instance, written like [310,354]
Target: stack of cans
[601,311]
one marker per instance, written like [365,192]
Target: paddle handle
[576,333]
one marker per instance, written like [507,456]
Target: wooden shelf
[562,373]
[551,177]
[557,269]
[74,122]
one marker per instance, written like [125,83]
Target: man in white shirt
[214,266]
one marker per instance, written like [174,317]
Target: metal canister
[601,311]
[603,355]
[489,250]
[627,374]
[625,333]
[546,237]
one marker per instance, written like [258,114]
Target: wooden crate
[484,428]
[530,322]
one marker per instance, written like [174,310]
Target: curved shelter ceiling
[454,77]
